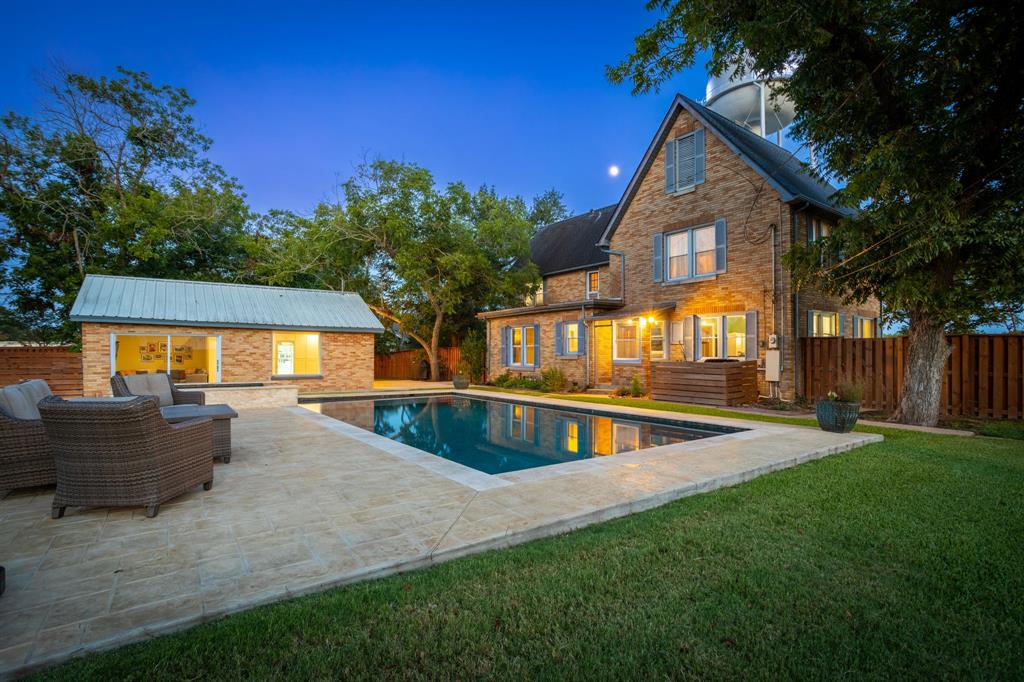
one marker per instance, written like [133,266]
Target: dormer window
[593,284]
[684,162]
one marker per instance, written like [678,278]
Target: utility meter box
[773,342]
[772,365]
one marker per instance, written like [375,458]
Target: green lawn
[900,559]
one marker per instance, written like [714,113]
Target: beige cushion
[22,400]
[151,384]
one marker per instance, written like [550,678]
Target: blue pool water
[495,436]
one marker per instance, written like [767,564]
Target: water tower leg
[764,127]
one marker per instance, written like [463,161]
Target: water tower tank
[747,99]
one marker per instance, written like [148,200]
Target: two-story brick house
[686,266]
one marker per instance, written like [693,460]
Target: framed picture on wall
[180,349]
[147,358]
[143,348]
[158,356]
[178,359]
[163,346]
[152,348]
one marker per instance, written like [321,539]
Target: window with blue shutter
[684,162]
[521,346]
[657,258]
[720,245]
[536,345]
[694,253]
[559,350]
[505,331]
[750,344]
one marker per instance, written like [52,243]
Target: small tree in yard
[919,107]
[416,253]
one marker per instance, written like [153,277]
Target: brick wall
[572,286]
[246,356]
[575,367]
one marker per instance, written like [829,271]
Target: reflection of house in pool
[356,412]
[570,436]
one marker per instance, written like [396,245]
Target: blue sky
[294,94]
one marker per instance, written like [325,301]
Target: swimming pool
[499,436]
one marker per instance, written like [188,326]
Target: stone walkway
[308,503]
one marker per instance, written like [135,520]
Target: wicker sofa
[120,452]
[159,385]
[25,456]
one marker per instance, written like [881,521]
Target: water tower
[747,100]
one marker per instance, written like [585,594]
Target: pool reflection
[498,437]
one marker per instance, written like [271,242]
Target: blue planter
[836,416]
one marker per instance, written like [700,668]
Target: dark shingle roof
[571,244]
[795,177]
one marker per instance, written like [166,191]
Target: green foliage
[509,380]
[111,178]
[474,354]
[552,380]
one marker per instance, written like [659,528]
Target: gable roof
[789,176]
[142,300]
[571,244]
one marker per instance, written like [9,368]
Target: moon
[613,171]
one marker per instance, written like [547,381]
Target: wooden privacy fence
[984,374]
[56,365]
[705,383]
[405,364]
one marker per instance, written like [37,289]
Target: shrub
[850,391]
[636,389]
[474,354]
[553,380]
[508,380]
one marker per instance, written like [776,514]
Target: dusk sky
[294,95]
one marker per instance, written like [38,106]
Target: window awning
[634,311]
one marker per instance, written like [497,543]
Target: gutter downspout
[796,309]
[587,346]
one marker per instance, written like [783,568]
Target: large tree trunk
[435,344]
[927,351]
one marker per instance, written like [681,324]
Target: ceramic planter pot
[837,416]
[460,381]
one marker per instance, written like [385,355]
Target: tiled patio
[308,502]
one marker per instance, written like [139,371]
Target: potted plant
[840,410]
[461,377]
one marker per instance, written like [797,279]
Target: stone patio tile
[77,609]
[121,622]
[220,569]
[399,548]
[61,639]
[276,555]
[13,656]
[18,627]
[129,595]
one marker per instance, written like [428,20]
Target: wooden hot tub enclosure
[705,383]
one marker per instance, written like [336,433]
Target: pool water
[497,436]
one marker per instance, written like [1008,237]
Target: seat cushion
[151,384]
[21,400]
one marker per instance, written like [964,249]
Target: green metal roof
[141,300]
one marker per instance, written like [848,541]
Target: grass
[899,559]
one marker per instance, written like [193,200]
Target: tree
[548,207]
[111,177]
[918,107]
[416,253]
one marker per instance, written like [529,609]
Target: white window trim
[819,313]
[723,341]
[615,342]
[586,284]
[691,256]
[565,337]
[523,346]
[664,340]
[620,426]
[167,366]
[273,356]
[685,189]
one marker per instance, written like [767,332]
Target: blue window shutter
[720,245]
[670,166]
[536,345]
[842,320]
[504,345]
[583,338]
[698,156]
[856,326]
[810,323]
[558,338]
[688,338]
[750,343]
[559,434]
[657,260]
[810,229]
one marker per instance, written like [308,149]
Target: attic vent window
[684,162]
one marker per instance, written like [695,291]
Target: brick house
[213,333]
[686,266]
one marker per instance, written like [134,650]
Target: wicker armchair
[119,452]
[26,459]
[159,385]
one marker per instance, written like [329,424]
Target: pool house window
[191,359]
[520,346]
[626,341]
[296,354]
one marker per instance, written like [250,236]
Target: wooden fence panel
[58,366]
[984,375]
[405,364]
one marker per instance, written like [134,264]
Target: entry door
[603,354]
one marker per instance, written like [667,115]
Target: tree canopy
[111,177]
[919,109]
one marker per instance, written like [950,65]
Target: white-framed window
[571,436]
[816,229]
[709,333]
[186,358]
[865,327]
[690,253]
[658,345]
[296,354]
[625,437]
[593,284]
[571,337]
[735,336]
[823,323]
[626,340]
[522,422]
[521,349]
